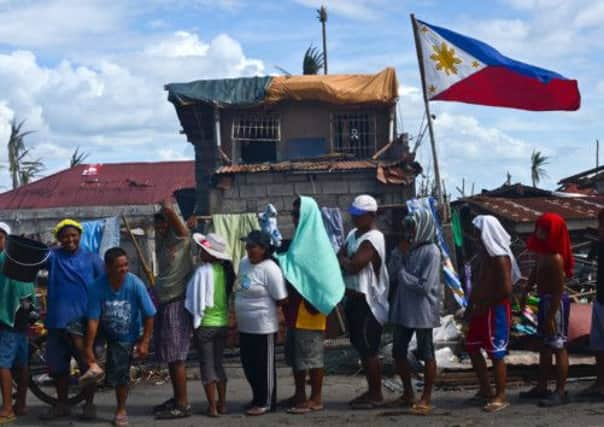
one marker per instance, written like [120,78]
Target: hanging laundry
[232,227]
[92,234]
[334,225]
[268,223]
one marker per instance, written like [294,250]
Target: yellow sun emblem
[445,59]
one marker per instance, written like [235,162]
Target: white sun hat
[213,244]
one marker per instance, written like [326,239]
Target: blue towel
[100,235]
[334,225]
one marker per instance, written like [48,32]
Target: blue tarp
[242,91]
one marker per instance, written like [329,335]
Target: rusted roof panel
[109,184]
[527,210]
[302,166]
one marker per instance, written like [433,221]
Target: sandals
[367,404]
[94,374]
[305,408]
[5,419]
[165,406]
[421,409]
[554,399]
[533,393]
[175,413]
[256,411]
[120,421]
[401,402]
[495,406]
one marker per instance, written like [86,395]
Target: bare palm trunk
[324,48]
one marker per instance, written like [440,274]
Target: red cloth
[556,242]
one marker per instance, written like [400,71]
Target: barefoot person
[554,263]
[16,304]
[489,311]
[416,304]
[207,299]
[172,329]
[363,260]
[119,305]
[71,269]
[315,286]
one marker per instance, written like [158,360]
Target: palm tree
[313,61]
[538,162]
[322,17]
[21,170]
[77,158]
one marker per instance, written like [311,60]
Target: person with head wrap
[489,310]
[260,289]
[71,269]
[415,307]
[554,263]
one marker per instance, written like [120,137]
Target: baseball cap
[5,227]
[362,205]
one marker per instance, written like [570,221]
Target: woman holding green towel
[207,298]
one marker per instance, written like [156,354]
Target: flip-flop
[256,411]
[5,419]
[420,409]
[367,405]
[359,398]
[495,406]
[399,403]
[120,421]
[299,410]
[211,414]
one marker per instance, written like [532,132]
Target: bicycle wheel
[41,384]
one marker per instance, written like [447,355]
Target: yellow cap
[66,223]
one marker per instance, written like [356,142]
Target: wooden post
[418,47]
[139,253]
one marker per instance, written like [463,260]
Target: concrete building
[267,139]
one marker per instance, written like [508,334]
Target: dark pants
[258,360]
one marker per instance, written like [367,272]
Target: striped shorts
[172,332]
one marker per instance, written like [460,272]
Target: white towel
[200,293]
[497,241]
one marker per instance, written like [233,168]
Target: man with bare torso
[554,263]
[489,310]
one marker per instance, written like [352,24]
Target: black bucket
[24,258]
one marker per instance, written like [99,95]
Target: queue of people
[89,298]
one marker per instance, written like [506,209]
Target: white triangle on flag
[444,63]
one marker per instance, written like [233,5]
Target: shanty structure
[589,182]
[263,140]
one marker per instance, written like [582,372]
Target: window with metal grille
[354,133]
[260,127]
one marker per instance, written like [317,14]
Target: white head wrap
[497,241]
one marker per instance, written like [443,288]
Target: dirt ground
[451,409]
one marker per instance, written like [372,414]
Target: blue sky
[90,73]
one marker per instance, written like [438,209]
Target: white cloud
[28,23]
[115,104]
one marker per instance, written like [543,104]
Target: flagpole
[418,48]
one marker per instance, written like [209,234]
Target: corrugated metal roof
[527,210]
[109,184]
[302,166]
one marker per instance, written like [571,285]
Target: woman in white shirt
[260,290]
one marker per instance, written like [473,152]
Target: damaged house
[261,140]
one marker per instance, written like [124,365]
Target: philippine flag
[462,69]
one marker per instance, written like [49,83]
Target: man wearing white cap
[363,260]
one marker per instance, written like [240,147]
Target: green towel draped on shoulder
[310,264]
[11,294]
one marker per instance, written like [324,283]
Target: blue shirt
[120,312]
[69,275]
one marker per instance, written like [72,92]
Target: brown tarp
[381,88]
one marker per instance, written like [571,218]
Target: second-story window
[354,133]
[257,135]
